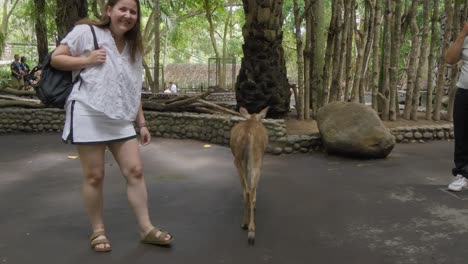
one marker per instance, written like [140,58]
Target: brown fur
[249,140]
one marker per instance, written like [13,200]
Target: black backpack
[55,86]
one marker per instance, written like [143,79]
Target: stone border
[208,128]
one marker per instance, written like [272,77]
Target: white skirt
[84,125]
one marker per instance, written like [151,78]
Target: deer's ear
[263,113]
[244,112]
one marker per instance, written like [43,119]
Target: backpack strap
[96,46]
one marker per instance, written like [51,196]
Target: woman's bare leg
[127,155]
[92,163]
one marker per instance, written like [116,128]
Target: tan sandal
[95,242]
[151,237]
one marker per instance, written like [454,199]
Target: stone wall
[205,127]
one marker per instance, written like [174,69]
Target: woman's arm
[454,52]
[141,123]
[62,59]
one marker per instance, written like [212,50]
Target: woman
[459,51]
[101,110]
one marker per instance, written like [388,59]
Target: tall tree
[422,61]
[67,14]
[362,45]
[333,31]
[385,92]
[317,49]
[431,59]
[262,80]
[413,61]
[41,29]
[375,53]
[157,47]
[298,19]
[396,39]
[454,69]
[337,69]
[440,85]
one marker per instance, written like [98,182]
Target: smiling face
[123,16]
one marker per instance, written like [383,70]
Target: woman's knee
[134,172]
[94,177]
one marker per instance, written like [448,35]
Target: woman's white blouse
[113,87]
[463,79]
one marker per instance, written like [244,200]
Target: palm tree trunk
[262,79]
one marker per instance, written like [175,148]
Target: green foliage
[4,76]
[2,43]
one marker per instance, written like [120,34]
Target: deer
[248,142]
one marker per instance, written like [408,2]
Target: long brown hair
[133,36]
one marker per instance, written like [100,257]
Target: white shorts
[84,125]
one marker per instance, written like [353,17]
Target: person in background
[27,79]
[173,87]
[459,52]
[101,109]
[24,66]
[16,73]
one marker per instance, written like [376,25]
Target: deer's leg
[245,194]
[257,171]
[253,197]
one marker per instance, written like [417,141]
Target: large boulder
[355,130]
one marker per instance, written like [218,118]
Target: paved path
[311,208]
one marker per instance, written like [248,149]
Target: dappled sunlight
[34,164]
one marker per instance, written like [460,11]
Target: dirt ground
[304,127]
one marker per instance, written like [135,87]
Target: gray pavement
[311,208]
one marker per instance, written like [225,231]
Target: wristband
[142,125]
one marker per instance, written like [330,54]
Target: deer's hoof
[251,238]
[244,226]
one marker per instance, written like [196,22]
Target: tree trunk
[318,48]
[337,68]
[386,63]
[299,97]
[211,30]
[361,45]
[67,14]
[41,29]
[431,59]
[396,38]
[223,81]
[331,38]
[413,61]
[363,84]
[157,47]
[375,50]
[262,79]
[442,64]
[347,46]
[422,61]
[456,24]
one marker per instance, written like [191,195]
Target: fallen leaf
[207,146]
[363,165]
[72,157]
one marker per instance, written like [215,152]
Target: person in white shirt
[459,51]
[173,87]
[101,109]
